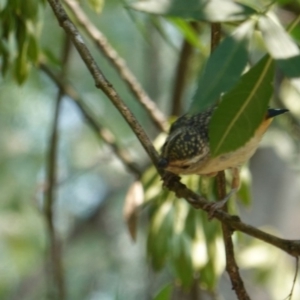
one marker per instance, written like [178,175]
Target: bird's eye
[163,163]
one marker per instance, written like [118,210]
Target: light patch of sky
[83,194]
[70,116]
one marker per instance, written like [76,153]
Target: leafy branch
[172,182]
[292,247]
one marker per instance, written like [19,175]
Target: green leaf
[21,33]
[242,109]
[164,293]
[29,9]
[223,69]
[50,57]
[96,5]
[160,230]
[212,11]
[295,33]
[181,259]
[290,67]
[209,276]
[33,49]
[21,66]
[191,223]
[244,193]
[188,32]
[4,53]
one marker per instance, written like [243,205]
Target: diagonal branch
[100,81]
[104,133]
[291,247]
[119,63]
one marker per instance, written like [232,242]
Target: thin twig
[231,264]
[104,133]
[119,63]
[56,264]
[181,74]
[291,247]
[100,81]
[290,295]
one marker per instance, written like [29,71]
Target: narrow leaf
[244,193]
[188,32]
[33,49]
[295,33]
[282,48]
[223,69]
[242,109]
[209,276]
[96,5]
[29,9]
[212,10]
[181,260]
[22,67]
[278,42]
[160,231]
[164,293]
[5,55]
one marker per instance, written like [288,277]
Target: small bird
[187,151]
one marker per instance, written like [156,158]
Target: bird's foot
[214,206]
[168,178]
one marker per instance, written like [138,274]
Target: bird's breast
[209,165]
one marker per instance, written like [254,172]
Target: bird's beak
[272,112]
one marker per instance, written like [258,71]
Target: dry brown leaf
[133,200]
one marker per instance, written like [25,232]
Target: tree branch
[56,264]
[104,133]
[291,247]
[231,264]
[118,63]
